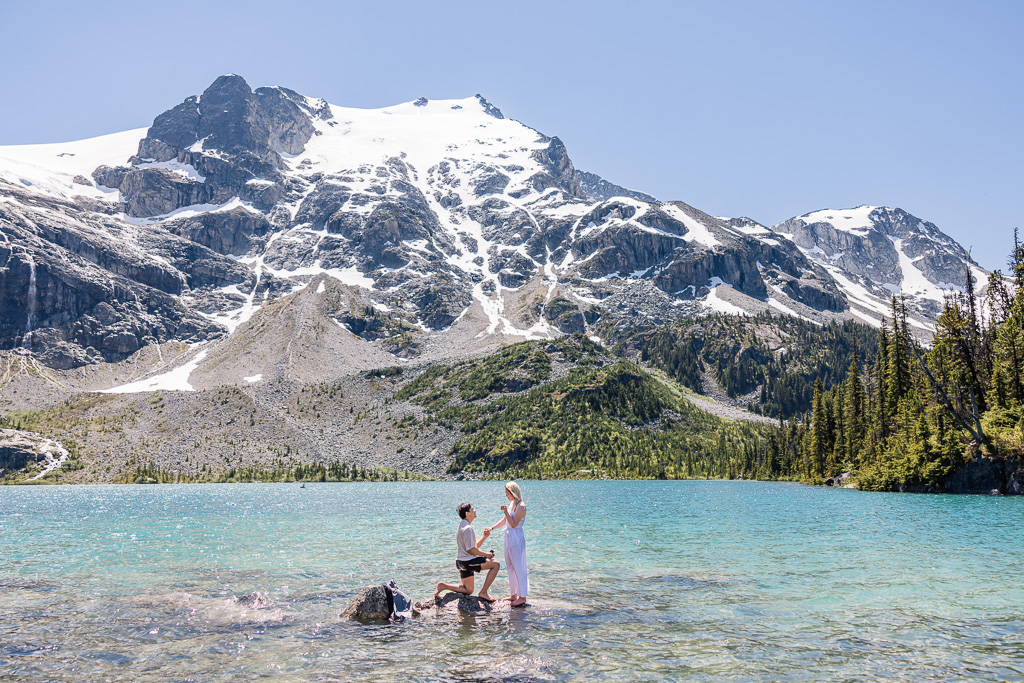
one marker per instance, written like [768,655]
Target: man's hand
[504,508]
[487,532]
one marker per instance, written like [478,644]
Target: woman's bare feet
[486,597]
[518,602]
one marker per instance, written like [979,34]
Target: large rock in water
[380,603]
[385,602]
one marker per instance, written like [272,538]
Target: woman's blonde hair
[513,488]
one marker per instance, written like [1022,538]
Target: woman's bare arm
[492,528]
[514,522]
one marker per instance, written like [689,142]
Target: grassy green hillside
[565,408]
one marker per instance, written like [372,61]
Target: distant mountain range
[301,239]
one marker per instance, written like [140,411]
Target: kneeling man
[470,559]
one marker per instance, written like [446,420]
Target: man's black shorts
[469,567]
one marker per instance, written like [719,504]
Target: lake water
[629,580]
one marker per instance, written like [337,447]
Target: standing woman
[515,544]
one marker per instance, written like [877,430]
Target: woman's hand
[504,508]
[487,531]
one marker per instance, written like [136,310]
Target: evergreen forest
[911,417]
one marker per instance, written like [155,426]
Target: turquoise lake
[629,580]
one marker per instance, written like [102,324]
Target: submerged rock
[457,603]
[254,600]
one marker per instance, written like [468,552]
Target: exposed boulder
[1015,479]
[384,602]
[841,481]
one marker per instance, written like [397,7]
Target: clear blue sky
[762,109]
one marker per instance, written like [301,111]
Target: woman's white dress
[515,556]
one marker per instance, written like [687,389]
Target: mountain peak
[879,251]
[228,84]
[446,221]
[855,220]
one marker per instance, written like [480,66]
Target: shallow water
[634,580]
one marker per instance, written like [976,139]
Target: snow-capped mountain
[874,252]
[440,226]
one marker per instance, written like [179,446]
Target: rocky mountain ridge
[423,230]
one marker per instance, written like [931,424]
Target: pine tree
[819,444]
[897,371]
[853,410]
[881,389]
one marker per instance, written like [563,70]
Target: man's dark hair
[463,509]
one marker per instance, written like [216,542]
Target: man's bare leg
[492,572]
[466,587]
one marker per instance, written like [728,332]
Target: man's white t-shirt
[465,538]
